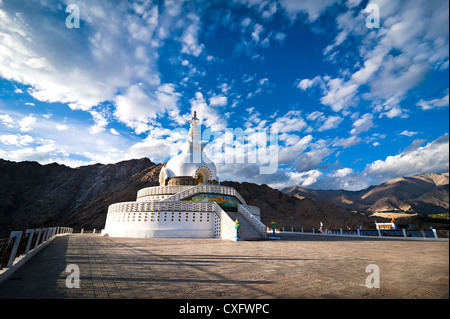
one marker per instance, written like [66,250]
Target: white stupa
[189,203]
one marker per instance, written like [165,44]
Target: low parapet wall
[21,246]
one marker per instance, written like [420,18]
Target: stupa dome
[182,165]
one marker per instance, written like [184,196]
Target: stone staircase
[246,230]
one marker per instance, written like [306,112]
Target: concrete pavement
[297,266]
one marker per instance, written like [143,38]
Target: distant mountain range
[402,196]
[34,195]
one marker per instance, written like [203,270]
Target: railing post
[38,238]
[30,238]
[404,232]
[314,231]
[359,232]
[17,235]
[302,230]
[434,233]
[379,233]
[341,232]
[44,234]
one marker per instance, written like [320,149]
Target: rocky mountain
[419,194]
[34,195]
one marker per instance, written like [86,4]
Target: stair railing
[223,224]
[258,225]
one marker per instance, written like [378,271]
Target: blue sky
[353,105]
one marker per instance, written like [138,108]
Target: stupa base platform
[160,233]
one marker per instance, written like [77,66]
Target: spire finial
[195,114]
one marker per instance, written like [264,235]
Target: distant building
[392,225]
[189,203]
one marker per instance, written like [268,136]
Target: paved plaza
[297,266]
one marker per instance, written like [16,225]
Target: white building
[189,203]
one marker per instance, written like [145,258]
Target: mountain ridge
[426,193]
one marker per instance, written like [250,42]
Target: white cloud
[291,178]
[394,111]
[43,154]
[265,8]
[47,66]
[113,131]
[189,39]
[100,122]
[218,100]
[16,139]
[339,95]
[136,108]
[116,48]
[407,46]
[342,172]
[316,116]
[431,158]
[62,127]
[363,124]
[290,122]
[408,133]
[293,146]
[331,122]
[280,36]
[305,178]
[344,178]
[7,120]
[257,29]
[310,160]
[208,115]
[308,83]
[312,8]
[26,124]
[347,142]
[435,103]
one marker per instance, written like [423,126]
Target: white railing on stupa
[255,211]
[257,224]
[208,189]
[162,190]
[161,206]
